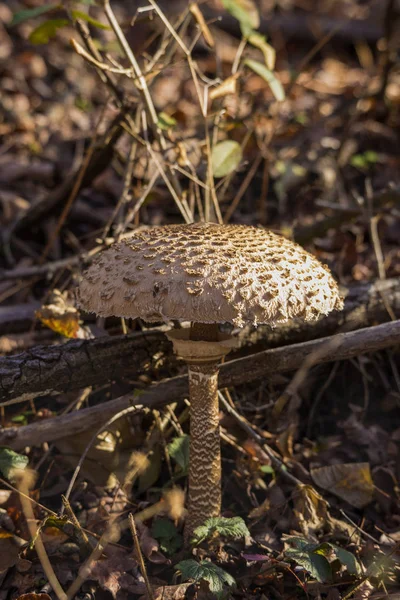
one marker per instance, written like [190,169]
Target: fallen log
[17,318]
[242,370]
[76,364]
[45,370]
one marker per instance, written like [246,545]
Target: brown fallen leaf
[111,572]
[351,482]
[34,596]
[177,592]
[150,547]
[169,592]
[310,509]
[60,316]
[10,546]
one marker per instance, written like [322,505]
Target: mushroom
[207,274]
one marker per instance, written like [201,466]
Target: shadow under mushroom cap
[208,273]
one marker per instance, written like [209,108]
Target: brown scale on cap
[269,279]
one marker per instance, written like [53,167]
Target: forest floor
[311,457]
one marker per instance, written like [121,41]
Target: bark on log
[76,364]
[243,370]
[44,370]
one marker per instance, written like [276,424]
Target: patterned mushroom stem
[205,447]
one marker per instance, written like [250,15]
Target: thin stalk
[205,447]
[135,65]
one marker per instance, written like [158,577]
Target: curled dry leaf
[10,546]
[60,316]
[228,86]
[112,572]
[34,596]
[351,482]
[168,592]
[310,509]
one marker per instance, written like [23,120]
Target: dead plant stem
[76,187]
[139,554]
[40,549]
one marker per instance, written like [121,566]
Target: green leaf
[225,157]
[245,11]
[359,161]
[10,462]
[324,549]
[347,559]
[78,14]
[206,571]
[31,13]
[165,122]
[163,528]
[259,41]
[268,76]
[267,469]
[165,532]
[299,543]
[179,450]
[371,156]
[50,521]
[233,528]
[315,564]
[304,554]
[363,161]
[47,30]
[19,419]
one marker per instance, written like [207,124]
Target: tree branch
[46,370]
[235,372]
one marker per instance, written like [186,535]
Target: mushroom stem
[203,358]
[205,447]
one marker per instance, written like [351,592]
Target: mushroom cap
[208,273]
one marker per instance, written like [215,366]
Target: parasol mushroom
[207,274]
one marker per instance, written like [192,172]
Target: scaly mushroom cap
[208,273]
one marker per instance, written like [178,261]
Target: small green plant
[217,578]
[319,559]
[164,531]
[178,449]
[231,528]
[11,463]
[249,22]
[47,30]
[364,160]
